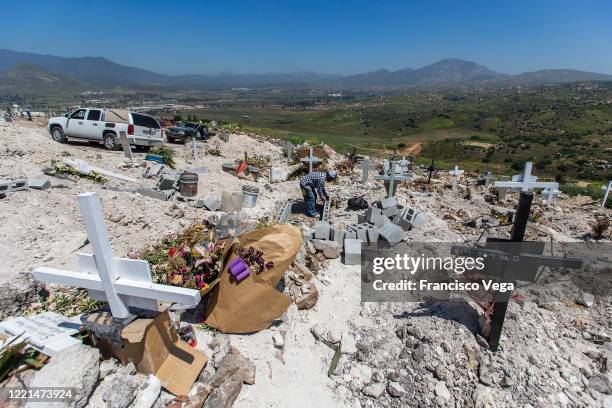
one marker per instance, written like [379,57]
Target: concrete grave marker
[84,168]
[122,282]
[365,167]
[125,143]
[391,178]
[47,332]
[607,189]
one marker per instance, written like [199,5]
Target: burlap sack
[253,304]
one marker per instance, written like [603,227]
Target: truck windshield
[145,121]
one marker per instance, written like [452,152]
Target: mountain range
[21,70]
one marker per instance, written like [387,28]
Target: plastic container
[249,196]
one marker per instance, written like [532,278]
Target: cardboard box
[154,346]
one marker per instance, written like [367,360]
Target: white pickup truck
[105,125]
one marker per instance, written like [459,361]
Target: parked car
[104,125]
[185,131]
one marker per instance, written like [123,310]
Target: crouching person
[313,185]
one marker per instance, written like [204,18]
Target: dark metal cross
[512,260]
[431,169]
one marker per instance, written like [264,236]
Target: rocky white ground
[394,354]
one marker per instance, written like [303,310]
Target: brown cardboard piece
[254,303]
[154,346]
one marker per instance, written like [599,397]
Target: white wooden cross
[391,179]
[122,282]
[311,159]
[126,144]
[365,167]
[289,151]
[528,182]
[455,173]
[193,147]
[608,189]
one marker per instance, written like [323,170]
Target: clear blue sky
[178,37]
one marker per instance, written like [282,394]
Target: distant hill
[103,73]
[95,71]
[32,78]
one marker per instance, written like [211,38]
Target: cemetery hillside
[292,204]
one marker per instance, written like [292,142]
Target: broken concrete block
[283,211]
[362,232]
[211,203]
[39,184]
[163,195]
[388,202]
[14,185]
[391,211]
[391,233]
[352,252]
[168,181]
[353,232]
[322,230]
[153,171]
[379,220]
[326,211]
[337,235]
[371,213]
[408,219]
[372,234]
[350,233]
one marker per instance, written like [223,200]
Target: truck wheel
[58,135]
[109,142]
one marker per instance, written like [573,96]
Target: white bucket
[249,196]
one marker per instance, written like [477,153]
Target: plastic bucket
[188,184]
[249,196]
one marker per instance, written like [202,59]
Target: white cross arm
[128,287]
[526,185]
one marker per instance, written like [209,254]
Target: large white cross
[608,189]
[455,173]
[528,182]
[122,282]
[311,159]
